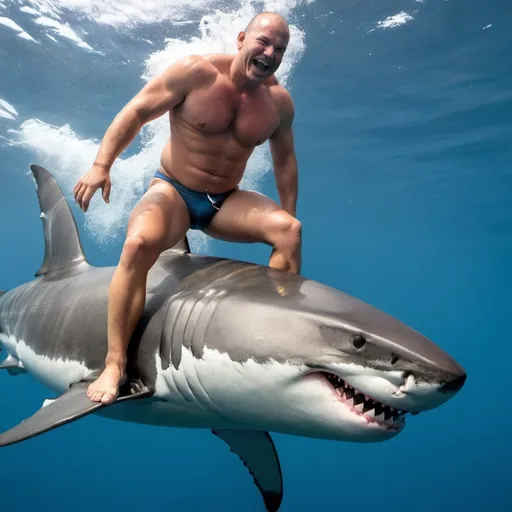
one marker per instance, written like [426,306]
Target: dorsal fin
[182,246]
[63,250]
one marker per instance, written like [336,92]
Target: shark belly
[55,373]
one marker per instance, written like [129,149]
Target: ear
[240,40]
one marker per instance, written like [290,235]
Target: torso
[215,130]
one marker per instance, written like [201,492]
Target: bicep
[282,144]
[282,141]
[167,90]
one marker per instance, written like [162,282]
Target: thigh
[160,217]
[247,216]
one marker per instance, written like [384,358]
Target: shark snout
[454,386]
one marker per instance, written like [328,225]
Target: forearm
[119,135]
[286,174]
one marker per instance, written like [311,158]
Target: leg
[158,222]
[252,217]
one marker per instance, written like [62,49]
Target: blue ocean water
[403,116]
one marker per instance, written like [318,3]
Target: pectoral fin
[68,407]
[12,365]
[257,451]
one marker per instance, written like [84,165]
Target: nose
[452,387]
[269,51]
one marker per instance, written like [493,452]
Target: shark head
[298,357]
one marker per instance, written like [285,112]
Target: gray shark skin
[234,347]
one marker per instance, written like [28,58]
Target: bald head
[264,19]
[261,46]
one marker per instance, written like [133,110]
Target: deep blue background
[403,141]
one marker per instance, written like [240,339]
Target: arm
[158,96]
[283,153]
[155,99]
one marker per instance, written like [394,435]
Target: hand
[88,184]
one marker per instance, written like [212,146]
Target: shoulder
[221,61]
[283,101]
[192,68]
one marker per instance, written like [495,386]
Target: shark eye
[359,341]
[394,359]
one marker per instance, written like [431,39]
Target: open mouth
[260,65]
[371,410]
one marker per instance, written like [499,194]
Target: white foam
[134,12]
[68,155]
[7,106]
[395,21]
[30,10]
[7,22]
[45,7]
[27,36]
[7,111]
[62,30]
[6,115]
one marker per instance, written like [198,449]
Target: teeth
[354,398]
[380,417]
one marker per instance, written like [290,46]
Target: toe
[108,398]
[97,396]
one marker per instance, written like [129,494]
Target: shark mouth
[373,411]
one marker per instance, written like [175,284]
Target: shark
[238,348]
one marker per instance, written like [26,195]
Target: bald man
[220,108]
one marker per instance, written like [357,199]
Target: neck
[239,78]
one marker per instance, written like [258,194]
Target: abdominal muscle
[204,162]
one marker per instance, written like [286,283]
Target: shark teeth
[372,410]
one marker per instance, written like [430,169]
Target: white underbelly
[56,374]
[216,390]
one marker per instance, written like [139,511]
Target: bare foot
[105,388]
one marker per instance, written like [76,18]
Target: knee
[138,253]
[287,232]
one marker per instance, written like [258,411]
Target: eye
[359,341]
[394,359]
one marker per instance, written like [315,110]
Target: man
[220,108]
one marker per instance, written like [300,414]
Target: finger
[79,196]
[76,189]
[87,198]
[106,191]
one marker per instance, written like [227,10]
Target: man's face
[262,48]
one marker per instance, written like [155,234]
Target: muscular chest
[251,120]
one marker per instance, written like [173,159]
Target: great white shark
[234,347]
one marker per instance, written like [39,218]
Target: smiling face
[261,47]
